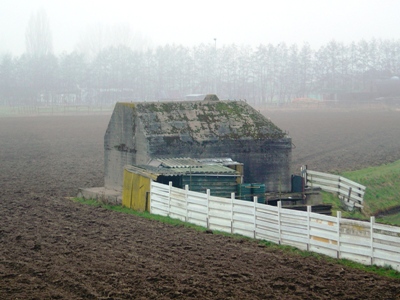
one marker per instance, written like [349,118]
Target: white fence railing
[350,192]
[364,242]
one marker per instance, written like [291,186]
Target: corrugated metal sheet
[142,171]
[180,162]
[202,169]
[183,162]
[225,161]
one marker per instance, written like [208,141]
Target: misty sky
[194,22]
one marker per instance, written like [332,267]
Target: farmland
[54,248]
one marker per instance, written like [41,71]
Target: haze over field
[191,23]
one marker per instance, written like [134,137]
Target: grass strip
[381,196]
[383,186]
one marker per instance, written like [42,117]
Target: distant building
[389,87]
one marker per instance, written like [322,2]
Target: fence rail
[364,242]
[350,192]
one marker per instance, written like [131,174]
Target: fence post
[308,226]
[303,171]
[208,209]
[338,217]
[187,206]
[232,198]
[279,222]
[169,197]
[349,195]
[255,199]
[372,223]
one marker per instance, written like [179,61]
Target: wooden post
[208,209]
[279,222]
[339,216]
[349,195]
[372,223]
[308,226]
[303,171]
[255,199]
[232,198]
[169,198]
[187,206]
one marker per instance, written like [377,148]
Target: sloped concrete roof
[204,120]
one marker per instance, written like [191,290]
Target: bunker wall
[265,161]
[119,146]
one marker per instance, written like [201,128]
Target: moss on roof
[204,120]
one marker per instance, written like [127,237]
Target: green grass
[329,198]
[390,219]
[383,188]
[382,271]
[382,193]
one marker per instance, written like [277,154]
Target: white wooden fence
[351,193]
[364,242]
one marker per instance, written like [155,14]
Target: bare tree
[38,37]
[100,36]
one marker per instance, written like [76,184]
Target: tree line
[264,74]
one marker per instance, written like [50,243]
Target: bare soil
[340,140]
[53,248]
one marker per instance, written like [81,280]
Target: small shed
[220,176]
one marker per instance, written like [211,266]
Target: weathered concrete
[102,194]
[139,132]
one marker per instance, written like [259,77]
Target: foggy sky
[194,22]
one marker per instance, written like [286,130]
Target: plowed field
[53,248]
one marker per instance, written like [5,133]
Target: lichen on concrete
[199,119]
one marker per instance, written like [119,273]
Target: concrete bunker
[141,132]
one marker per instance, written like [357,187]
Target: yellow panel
[127,189]
[136,191]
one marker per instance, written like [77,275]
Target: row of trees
[263,74]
